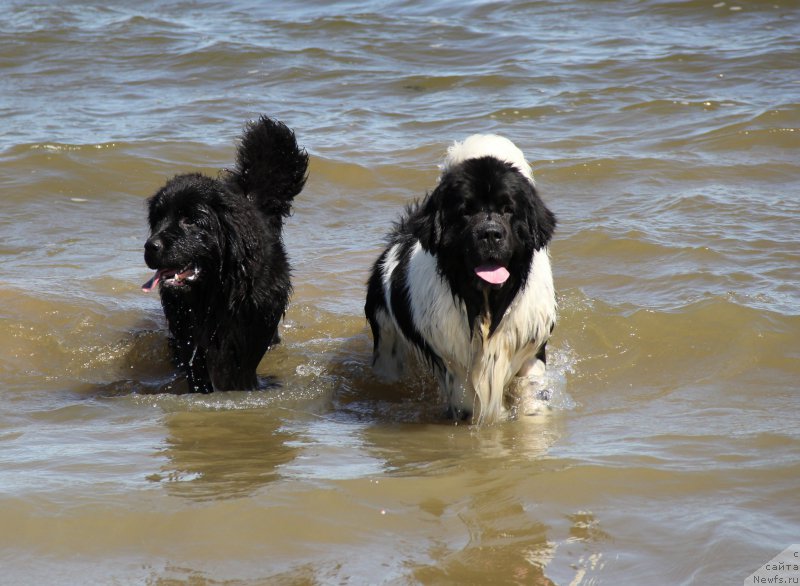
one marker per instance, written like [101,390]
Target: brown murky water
[665,135]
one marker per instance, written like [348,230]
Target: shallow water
[665,137]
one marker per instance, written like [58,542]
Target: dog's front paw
[533,398]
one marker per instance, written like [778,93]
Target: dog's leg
[189,355]
[390,352]
[460,400]
[490,370]
[192,360]
[536,366]
[533,396]
[197,372]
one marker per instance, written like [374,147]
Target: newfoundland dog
[465,282]
[219,259]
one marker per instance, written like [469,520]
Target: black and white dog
[466,284]
[216,246]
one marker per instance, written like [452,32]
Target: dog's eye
[186,222]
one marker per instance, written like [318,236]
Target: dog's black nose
[152,248]
[152,245]
[491,233]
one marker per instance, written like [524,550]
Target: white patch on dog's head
[487,145]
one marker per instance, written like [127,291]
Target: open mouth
[493,274]
[171,278]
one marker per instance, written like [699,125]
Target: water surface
[665,137]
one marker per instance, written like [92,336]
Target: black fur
[223,239]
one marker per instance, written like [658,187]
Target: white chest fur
[480,368]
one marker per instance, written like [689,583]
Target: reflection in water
[476,494]
[223,454]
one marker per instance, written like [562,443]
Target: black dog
[465,282]
[221,266]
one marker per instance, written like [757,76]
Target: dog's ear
[429,229]
[540,220]
[424,221]
[239,246]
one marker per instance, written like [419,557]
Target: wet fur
[424,298]
[230,228]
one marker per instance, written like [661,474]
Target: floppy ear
[239,247]
[541,221]
[429,233]
[425,221]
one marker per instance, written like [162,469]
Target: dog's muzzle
[491,244]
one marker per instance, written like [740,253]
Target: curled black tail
[271,169]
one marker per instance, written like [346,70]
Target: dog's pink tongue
[152,283]
[494,274]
